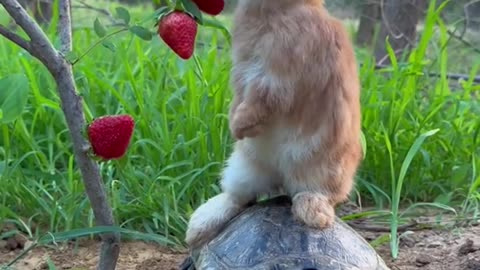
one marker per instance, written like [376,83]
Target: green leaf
[83,232]
[51,265]
[431,205]
[363,141]
[8,234]
[193,9]
[109,45]
[391,53]
[99,29]
[141,32]
[382,239]
[410,155]
[159,14]
[123,14]
[160,11]
[13,96]
[366,214]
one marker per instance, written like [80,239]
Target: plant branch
[450,76]
[105,12]
[37,36]
[65,26]
[25,44]
[464,41]
[71,104]
[73,110]
[85,5]
[40,46]
[372,228]
[21,17]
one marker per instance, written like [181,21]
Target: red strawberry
[212,7]
[110,135]
[179,31]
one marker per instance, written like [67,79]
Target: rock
[466,248]
[12,244]
[67,266]
[407,241]
[471,265]
[423,260]
[21,240]
[43,266]
[435,244]
[28,244]
[3,244]
[420,244]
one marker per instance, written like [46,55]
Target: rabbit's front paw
[246,122]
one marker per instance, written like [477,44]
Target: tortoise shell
[266,236]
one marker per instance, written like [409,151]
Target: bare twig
[387,23]
[387,56]
[25,44]
[61,70]
[461,37]
[450,76]
[464,41]
[65,26]
[375,228]
[85,5]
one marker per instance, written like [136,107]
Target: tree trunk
[369,19]
[399,20]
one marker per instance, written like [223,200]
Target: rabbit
[295,115]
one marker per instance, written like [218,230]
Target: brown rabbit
[295,115]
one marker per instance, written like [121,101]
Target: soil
[83,256]
[426,249]
[435,250]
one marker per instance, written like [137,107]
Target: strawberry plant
[108,137]
[177,25]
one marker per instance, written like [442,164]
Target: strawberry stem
[178,5]
[98,43]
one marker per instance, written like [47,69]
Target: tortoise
[266,236]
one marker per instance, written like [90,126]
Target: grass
[420,133]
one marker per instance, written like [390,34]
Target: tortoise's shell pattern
[266,236]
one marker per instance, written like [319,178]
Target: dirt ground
[457,249]
[435,250]
[133,255]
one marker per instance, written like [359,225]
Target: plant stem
[178,5]
[97,43]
